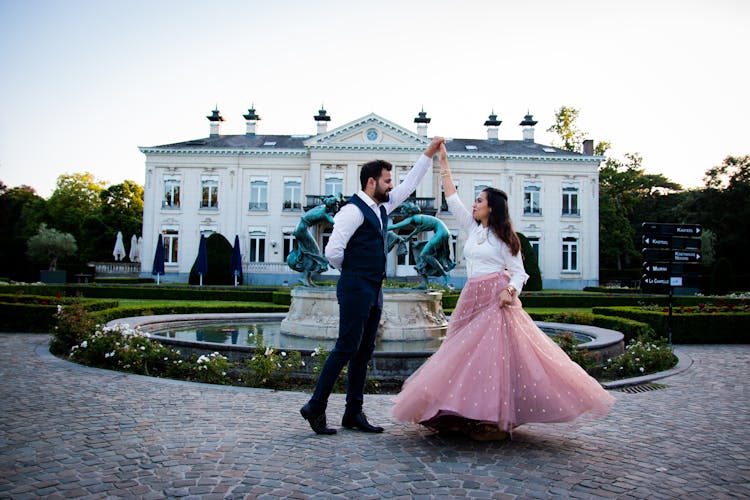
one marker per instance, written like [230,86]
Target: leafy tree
[75,196]
[723,208]
[50,245]
[622,188]
[21,212]
[566,128]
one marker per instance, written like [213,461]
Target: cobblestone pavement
[68,431]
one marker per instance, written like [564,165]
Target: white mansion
[258,186]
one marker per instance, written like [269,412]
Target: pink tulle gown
[496,366]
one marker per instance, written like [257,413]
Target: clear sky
[83,83]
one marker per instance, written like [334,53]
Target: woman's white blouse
[484,252]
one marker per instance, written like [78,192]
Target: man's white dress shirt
[349,218]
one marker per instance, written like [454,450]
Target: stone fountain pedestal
[407,314]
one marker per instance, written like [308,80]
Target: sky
[84,83]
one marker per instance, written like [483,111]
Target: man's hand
[434,146]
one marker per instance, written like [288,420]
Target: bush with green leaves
[271,367]
[641,357]
[568,343]
[74,325]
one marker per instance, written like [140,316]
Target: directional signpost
[671,258]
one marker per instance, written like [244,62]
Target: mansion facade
[258,186]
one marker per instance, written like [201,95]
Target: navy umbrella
[158,268]
[236,266]
[201,265]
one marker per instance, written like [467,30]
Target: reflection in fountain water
[248,334]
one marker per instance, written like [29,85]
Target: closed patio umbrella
[119,251]
[201,265]
[158,268]
[236,265]
[134,254]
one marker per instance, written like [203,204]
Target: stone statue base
[407,314]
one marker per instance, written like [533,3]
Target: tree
[75,197]
[21,212]
[50,245]
[566,128]
[622,188]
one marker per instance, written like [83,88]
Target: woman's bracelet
[511,290]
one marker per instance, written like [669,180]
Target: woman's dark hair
[499,220]
[373,169]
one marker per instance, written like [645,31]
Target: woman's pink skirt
[496,366]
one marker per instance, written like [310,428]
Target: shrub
[641,357]
[271,367]
[127,349]
[530,264]
[582,357]
[74,325]
[691,325]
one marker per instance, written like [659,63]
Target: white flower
[85,344]
[642,369]
[269,351]
[283,353]
[303,363]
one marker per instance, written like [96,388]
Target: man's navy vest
[364,255]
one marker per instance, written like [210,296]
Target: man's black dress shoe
[359,421]
[317,421]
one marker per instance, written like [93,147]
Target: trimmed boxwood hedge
[124,312]
[630,329]
[30,316]
[159,292]
[689,327]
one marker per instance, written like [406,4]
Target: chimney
[422,122]
[322,120]
[252,119]
[215,120]
[588,147]
[492,124]
[528,127]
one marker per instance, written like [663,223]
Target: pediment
[369,132]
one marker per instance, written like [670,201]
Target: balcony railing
[258,206]
[571,212]
[116,268]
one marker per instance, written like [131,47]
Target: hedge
[36,317]
[689,327]
[630,329]
[150,292]
[125,312]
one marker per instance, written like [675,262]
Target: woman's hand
[507,295]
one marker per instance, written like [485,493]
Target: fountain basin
[398,362]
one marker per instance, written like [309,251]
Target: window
[570,254]
[570,201]
[258,194]
[257,246]
[443,202]
[210,191]
[171,241]
[292,194]
[171,192]
[532,200]
[334,185]
[534,242]
[288,241]
[480,186]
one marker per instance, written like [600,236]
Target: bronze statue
[306,257]
[432,257]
